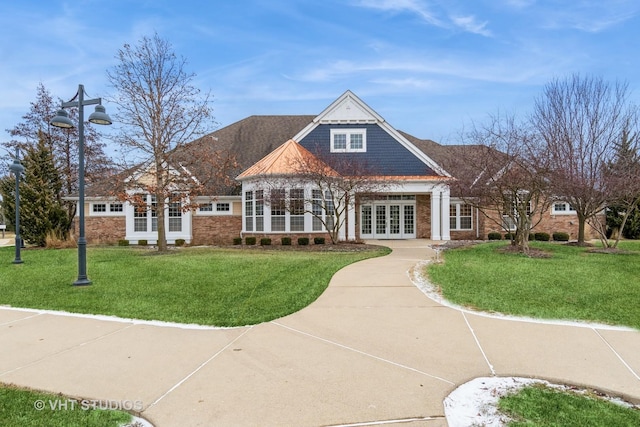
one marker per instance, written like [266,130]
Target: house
[416,204]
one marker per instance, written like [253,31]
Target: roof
[252,138]
[285,159]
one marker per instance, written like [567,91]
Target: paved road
[372,349]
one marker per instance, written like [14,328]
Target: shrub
[237,240]
[250,240]
[303,241]
[265,241]
[494,235]
[542,236]
[509,236]
[55,240]
[123,242]
[286,241]
[142,243]
[180,242]
[560,236]
[318,240]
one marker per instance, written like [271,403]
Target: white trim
[458,203]
[214,207]
[364,115]
[568,211]
[152,236]
[401,203]
[348,133]
[108,211]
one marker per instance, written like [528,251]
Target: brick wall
[102,229]
[215,230]
[548,224]
[423,216]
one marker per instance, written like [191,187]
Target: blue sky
[427,66]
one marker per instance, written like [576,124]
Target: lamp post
[62,120]
[17,170]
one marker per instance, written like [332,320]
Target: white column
[444,206]
[351,218]
[435,215]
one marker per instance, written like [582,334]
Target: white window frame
[205,208]
[458,223]
[215,208]
[567,211]
[349,132]
[108,208]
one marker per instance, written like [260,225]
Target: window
[409,218]
[278,209]
[106,209]
[296,208]
[329,209]
[348,140]
[316,210]
[212,208]
[140,218]
[356,141]
[248,210]
[366,220]
[205,207]
[175,216]
[154,213]
[340,141]
[259,210]
[460,217]
[560,208]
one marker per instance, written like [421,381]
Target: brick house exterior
[419,204]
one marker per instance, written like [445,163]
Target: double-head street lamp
[17,170]
[62,120]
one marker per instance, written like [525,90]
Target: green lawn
[539,406]
[571,284]
[222,287]
[25,408]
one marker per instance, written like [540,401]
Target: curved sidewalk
[372,349]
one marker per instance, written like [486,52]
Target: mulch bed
[327,247]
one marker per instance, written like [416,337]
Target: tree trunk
[160,205]
[582,221]
[162,237]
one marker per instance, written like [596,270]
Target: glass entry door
[387,221]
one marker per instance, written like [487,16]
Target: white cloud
[424,11]
[469,24]
[520,4]
[590,16]
[413,6]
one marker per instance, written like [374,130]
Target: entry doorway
[390,217]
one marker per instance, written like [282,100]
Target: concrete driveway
[373,349]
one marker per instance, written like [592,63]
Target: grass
[571,284]
[25,408]
[222,287]
[539,405]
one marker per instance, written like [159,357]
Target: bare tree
[623,183]
[496,174]
[160,111]
[334,183]
[580,120]
[63,143]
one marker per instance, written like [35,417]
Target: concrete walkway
[372,348]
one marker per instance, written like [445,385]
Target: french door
[387,221]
